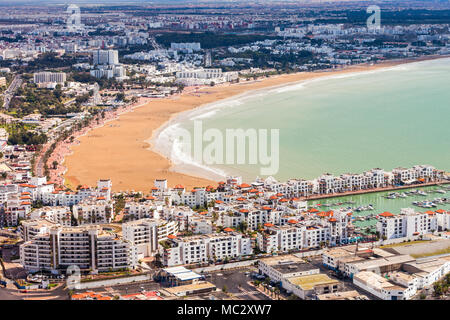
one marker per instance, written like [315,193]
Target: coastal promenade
[390,188]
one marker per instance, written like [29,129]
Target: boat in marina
[425,204]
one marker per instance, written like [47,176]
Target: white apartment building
[14,209]
[406,224]
[89,248]
[92,211]
[281,238]
[102,73]
[375,178]
[29,229]
[109,57]
[204,76]
[166,228]
[59,214]
[427,270]
[46,77]
[143,234]
[60,198]
[252,217]
[139,210]
[7,189]
[201,249]
[109,71]
[295,235]
[422,173]
[443,219]
[198,197]
[382,287]
[200,225]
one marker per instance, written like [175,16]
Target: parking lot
[236,283]
[125,289]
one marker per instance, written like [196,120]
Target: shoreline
[63,148]
[108,151]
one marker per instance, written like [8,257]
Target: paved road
[9,93]
[14,294]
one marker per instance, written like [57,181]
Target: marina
[367,206]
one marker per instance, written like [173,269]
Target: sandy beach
[118,150]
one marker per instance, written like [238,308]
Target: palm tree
[277,292]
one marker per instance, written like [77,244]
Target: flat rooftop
[282,259]
[428,265]
[371,279]
[310,281]
[190,288]
[287,267]
[381,262]
[346,295]
[182,274]
[345,251]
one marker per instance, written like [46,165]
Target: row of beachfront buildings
[183,227]
[372,179]
[146,237]
[93,205]
[18,201]
[180,235]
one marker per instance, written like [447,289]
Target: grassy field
[401,244]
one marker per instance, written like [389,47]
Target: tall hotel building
[109,57]
[91,248]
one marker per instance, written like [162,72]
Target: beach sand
[118,150]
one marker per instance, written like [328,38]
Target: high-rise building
[89,248]
[110,57]
[45,77]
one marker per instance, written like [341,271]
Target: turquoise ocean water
[385,118]
[350,123]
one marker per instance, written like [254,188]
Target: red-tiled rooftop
[386,214]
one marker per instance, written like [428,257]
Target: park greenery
[31,99]
[210,40]
[22,134]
